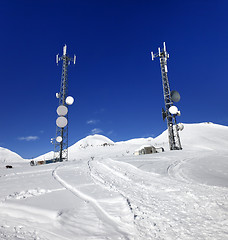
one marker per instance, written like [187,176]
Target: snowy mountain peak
[9,156]
[93,140]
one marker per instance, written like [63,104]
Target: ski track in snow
[165,208]
[114,222]
[174,170]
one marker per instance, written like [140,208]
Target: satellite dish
[175,96]
[69,100]
[61,122]
[180,126]
[178,113]
[59,139]
[62,110]
[57,95]
[173,110]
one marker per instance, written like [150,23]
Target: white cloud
[92,121]
[96,130]
[28,138]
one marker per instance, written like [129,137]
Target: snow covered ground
[105,192]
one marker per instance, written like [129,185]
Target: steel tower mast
[168,113]
[61,141]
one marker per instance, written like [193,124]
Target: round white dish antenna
[180,126]
[69,100]
[173,110]
[61,122]
[62,110]
[57,95]
[175,96]
[59,139]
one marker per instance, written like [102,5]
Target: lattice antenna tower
[61,141]
[170,111]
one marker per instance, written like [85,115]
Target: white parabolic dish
[59,139]
[173,110]
[61,122]
[62,110]
[180,126]
[69,100]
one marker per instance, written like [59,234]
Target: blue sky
[116,86]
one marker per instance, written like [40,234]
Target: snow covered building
[148,149]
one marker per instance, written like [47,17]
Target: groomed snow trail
[110,208]
[176,170]
[166,208]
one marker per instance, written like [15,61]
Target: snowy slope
[105,192]
[200,135]
[205,135]
[7,156]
